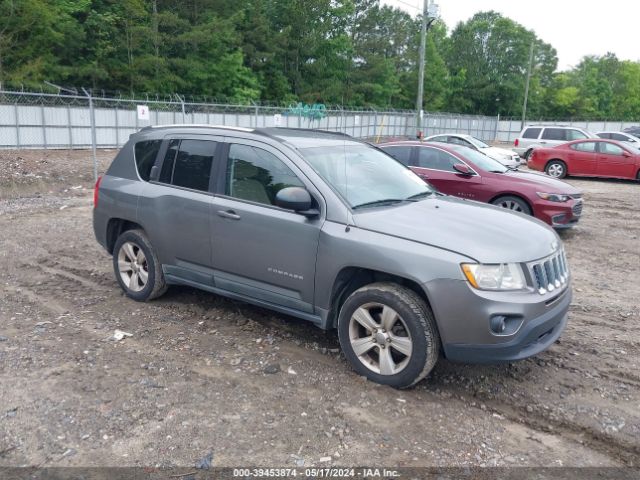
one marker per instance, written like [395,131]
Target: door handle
[230,214]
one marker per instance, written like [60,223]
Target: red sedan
[466,173]
[588,158]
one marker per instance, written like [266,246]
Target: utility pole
[423,42]
[526,88]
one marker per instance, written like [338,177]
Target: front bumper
[559,215]
[464,315]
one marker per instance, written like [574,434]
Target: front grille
[551,273]
[577,209]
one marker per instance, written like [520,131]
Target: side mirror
[462,169]
[626,154]
[297,199]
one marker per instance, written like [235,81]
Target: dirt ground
[204,374]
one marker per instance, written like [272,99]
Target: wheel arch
[116,227]
[351,278]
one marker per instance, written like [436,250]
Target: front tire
[556,169]
[137,268]
[388,334]
[512,203]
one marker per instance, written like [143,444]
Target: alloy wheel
[132,266]
[555,170]
[380,338]
[511,205]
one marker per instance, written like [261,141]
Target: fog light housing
[505,324]
[497,324]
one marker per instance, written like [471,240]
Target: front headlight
[504,276]
[553,197]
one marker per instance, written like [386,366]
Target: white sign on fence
[277,120]
[143,112]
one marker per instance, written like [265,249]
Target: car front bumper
[559,215]
[464,316]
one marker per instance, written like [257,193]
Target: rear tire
[137,268]
[556,169]
[513,203]
[388,334]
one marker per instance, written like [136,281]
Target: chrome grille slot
[550,274]
[577,209]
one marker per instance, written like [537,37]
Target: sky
[574,27]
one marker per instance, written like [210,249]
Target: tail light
[517,142]
[96,191]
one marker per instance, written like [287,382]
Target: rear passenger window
[256,175]
[402,154]
[589,147]
[619,137]
[436,159]
[145,154]
[187,163]
[531,133]
[554,134]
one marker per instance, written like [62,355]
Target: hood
[499,151]
[499,155]
[482,232]
[540,181]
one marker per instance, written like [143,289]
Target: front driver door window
[271,251]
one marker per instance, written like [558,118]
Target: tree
[493,53]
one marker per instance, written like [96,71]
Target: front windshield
[477,143]
[481,160]
[364,175]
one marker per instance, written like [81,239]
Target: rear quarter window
[531,133]
[145,154]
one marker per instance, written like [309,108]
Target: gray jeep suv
[332,230]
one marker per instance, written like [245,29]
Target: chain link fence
[44,120]
[510,128]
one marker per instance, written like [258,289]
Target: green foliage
[350,52]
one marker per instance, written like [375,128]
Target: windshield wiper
[421,194]
[384,201]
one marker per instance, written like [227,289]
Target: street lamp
[430,13]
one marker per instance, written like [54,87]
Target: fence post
[92,118]
[117,128]
[495,132]
[44,126]
[15,109]
[70,127]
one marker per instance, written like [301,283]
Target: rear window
[402,154]
[531,133]
[187,163]
[554,134]
[145,154]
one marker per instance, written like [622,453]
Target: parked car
[466,173]
[502,155]
[588,158]
[632,140]
[633,130]
[336,232]
[535,136]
